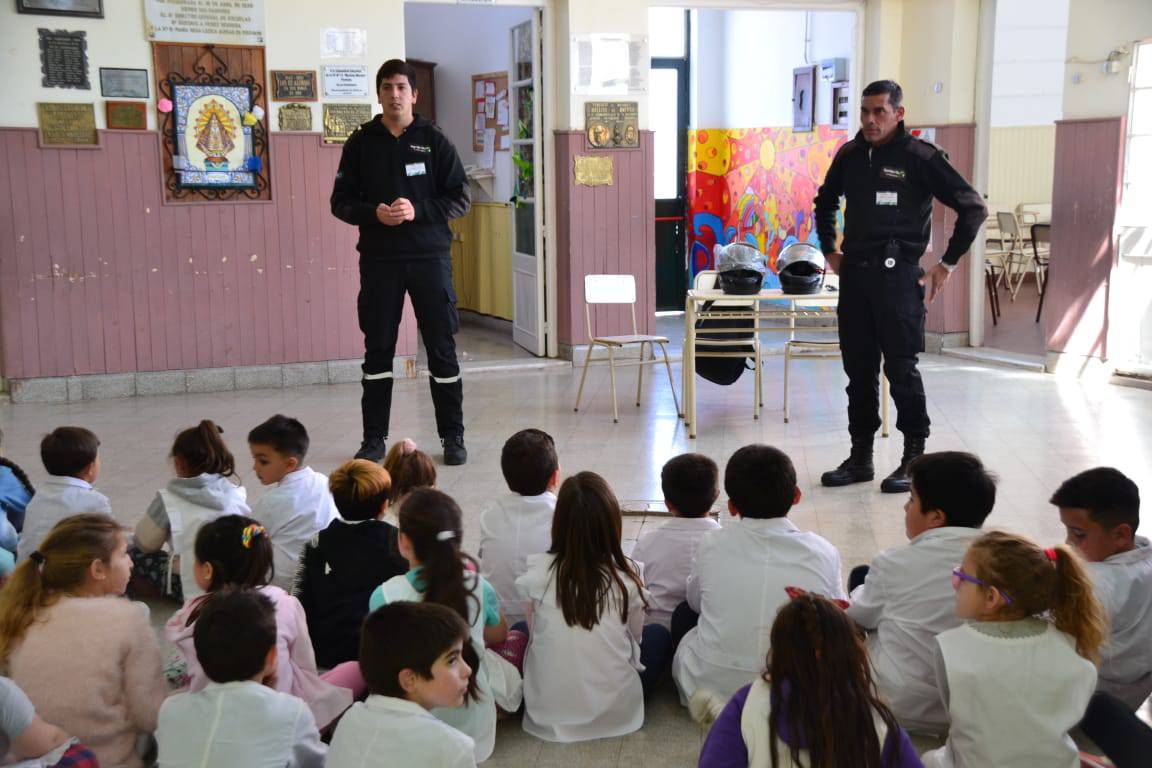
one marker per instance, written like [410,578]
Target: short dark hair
[691,484]
[957,484]
[285,434]
[880,87]
[760,481]
[1109,495]
[68,450]
[396,67]
[406,635]
[528,461]
[233,634]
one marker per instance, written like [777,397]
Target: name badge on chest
[415,169]
[887,198]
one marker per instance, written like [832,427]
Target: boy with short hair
[411,655]
[906,599]
[738,580]
[239,719]
[72,457]
[1100,509]
[299,505]
[519,523]
[691,484]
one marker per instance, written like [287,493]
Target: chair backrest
[1041,239]
[609,289]
[1007,222]
[705,280]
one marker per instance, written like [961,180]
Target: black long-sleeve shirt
[888,192]
[420,165]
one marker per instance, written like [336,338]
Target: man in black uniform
[888,179]
[400,181]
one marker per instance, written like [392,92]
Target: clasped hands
[399,212]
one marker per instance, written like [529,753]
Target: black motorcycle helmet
[741,269]
[801,269]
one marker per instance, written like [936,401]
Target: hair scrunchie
[249,533]
[37,557]
[1050,553]
[407,446]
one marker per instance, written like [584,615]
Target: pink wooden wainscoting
[604,230]
[1085,193]
[98,276]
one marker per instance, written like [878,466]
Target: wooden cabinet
[426,88]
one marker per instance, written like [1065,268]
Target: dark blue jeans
[655,655]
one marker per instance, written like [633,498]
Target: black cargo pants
[380,304]
[881,312]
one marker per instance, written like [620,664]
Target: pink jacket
[91,665]
[296,663]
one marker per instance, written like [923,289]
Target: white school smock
[907,599]
[185,518]
[293,511]
[580,683]
[1011,700]
[512,528]
[737,586]
[386,732]
[1123,585]
[477,719]
[238,725]
[667,554]
[57,497]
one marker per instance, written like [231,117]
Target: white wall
[293,33]
[1095,29]
[1028,62]
[464,41]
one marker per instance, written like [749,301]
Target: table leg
[690,367]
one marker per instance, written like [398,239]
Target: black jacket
[340,568]
[422,166]
[888,192]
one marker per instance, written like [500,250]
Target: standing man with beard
[888,179]
[400,181]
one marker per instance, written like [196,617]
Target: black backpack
[724,370]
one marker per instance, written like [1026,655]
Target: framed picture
[93,9]
[123,83]
[125,115]
[213,145]
[293,85]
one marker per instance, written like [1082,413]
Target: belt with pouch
[885,255]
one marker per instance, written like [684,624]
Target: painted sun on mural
[755,186]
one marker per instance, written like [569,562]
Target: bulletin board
[490,110]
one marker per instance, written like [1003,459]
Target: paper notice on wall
[505,141]
[479,90]
[486,154]
[343,43]
[610,64]
[489,107]
[345,80]
[479,124]
[502,113]
[229,22]
[489,88]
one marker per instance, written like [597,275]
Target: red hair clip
[1051,553]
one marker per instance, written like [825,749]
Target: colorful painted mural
[755,186]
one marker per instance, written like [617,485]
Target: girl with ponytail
[1019,674]
[431,532]
[205,487]
[87,659]
[235,551]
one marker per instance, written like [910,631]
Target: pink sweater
[91,665]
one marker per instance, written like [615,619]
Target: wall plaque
[341,119]
[126,115]
[593,170]
[124,83]
[295,117]
[293,85]
[64,59]
[66,124]
[91,8]
[219,22]
[344,80]
[612,124]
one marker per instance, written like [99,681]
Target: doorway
[670,30]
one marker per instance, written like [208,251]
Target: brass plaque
[126,115]
[64,124]
[612,124]
[295,117]
[593,170]
[341,119]
[293,85]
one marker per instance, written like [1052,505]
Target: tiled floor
[1034,430]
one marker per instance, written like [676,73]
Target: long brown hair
[589,559]
[201,450]
[1038,585]
[831,700]
[59,566]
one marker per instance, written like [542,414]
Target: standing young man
[888,179]
[400,181]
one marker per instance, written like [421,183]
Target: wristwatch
[950,267]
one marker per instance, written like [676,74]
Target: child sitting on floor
[410,468]
[412,657]
[1100,509]
[299,505]
[15,490]
[239,720]
[904,599]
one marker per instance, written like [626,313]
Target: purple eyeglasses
[959,576]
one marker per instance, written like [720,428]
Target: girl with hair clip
[1020,673]
[409,468]
[205,487]
[785,718]
[431,532]
[235,551]
[87,659]
[587,605]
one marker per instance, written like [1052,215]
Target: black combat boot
[857,468]
[455,453]
[898,481]
[372,448]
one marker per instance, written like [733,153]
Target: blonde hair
[59,566]
[1051,584]
[360,489]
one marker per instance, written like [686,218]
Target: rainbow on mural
[755,186]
